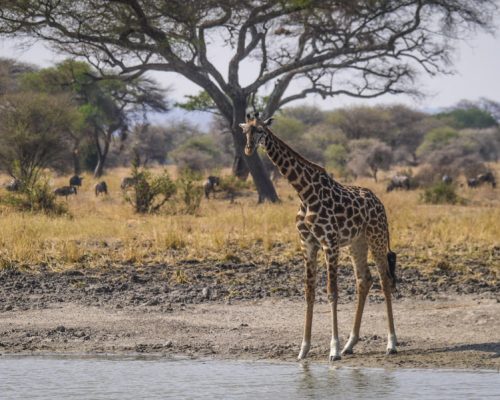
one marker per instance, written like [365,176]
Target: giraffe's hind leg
[359,257]
[378,247]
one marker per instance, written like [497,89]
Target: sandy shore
[451,332]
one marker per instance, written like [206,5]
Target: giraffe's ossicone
[332,216]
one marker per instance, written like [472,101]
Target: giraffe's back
[346,212]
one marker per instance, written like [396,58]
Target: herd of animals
[403,181]
[211,184]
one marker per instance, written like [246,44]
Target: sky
[476,64]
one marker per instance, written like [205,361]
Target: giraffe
[331,216]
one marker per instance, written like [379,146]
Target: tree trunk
[102,153]
[240,168]
[254,164]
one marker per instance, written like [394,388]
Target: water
[134,378]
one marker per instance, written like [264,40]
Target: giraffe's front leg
[310,250]
[332,254]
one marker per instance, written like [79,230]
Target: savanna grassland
[100,231]
[228,281]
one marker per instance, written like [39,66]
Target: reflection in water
[132,378]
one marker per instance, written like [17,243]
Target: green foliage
[191,191]
[231,185]
[436,138]
[149,192]
[289,128]
[33,132]
[197,153]
[36,197]
[469,118]
[441,193]
[198,102]
[336,156]
[308,115]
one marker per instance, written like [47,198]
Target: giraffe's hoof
[391,352]
[347,351]
[335,358]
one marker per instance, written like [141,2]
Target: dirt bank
[443,319]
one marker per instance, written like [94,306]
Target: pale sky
[477,66]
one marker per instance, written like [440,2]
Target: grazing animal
[14,185]
[127,182]
[447,179]
[75,180]
[332,216]
[472,182]
[101,188]
[487,177]
[65,191]
[399,182]
[210,184]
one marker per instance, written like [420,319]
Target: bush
[149,193]
[232,186]
[441,193]
[191,190]
[36,197]
[197,154]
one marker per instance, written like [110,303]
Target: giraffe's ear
[269,121]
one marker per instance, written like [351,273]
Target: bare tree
[361,49]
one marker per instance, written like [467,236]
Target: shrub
[441,193]
[197,153]
[36,197]
[191,190]
[149,193]
[232,186]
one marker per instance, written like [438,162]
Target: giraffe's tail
[391,258]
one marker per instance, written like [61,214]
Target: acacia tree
[33,133]
[106,105]
[356,48]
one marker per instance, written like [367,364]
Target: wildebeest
[75,180]
[399,182]
[14,185]
[472,182]
[210,184]
[101,188]
[447,179]
[487,177]
[65,191]
[127,182]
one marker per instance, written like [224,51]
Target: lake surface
[29,377]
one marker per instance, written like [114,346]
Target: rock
[205,293]
[61,328]
[168,344]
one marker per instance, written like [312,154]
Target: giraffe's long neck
[301,173]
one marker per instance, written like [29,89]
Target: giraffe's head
[255,131]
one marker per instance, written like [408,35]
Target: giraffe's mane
[296,153]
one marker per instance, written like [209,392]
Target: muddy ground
[444,318]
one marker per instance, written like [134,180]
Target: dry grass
[102,231]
